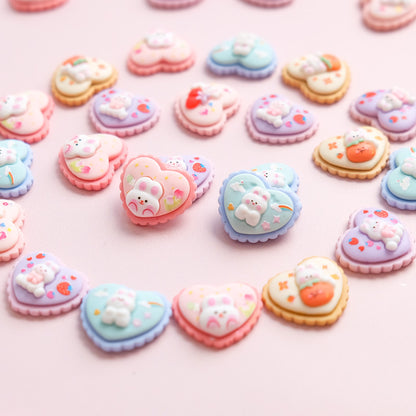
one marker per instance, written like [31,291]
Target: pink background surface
[362,365]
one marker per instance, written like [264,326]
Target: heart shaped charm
[122,113]
[217,316]
[274,119]
[375,242]
[118,318]
[80,77]
[246,55]
[388,14]
[392,111]
[89,161]
[11,236]
[278,175]
[42,286]
[160,51]
[25,116]
[172,4]
[152,193]
[206,107]
[253,211]
[320,77]
[198,167]
[314,293]
[35,5]
[15,176]
[398,187]
[361,153]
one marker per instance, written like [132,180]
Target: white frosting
[13,105]
[395,99]
[244,44]
[81,146]
[79,73]
[379,230]
[253,205]
[274,112]
[7,156]
[117,106]
[177,162]
[409,166]
[119,307]
[159,39]
[313,65]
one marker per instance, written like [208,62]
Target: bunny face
[81,146]
[253,204]
[7,156]
[13,105]
[379,230]
[177,163]
[143,199]
[306,274]
[274,113]
[159,39]
[117,106]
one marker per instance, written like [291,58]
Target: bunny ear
[211,301]
[154,190]
[226,300]
[142,185]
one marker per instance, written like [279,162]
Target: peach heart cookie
[160,51]
[173,4]
[89,161]
[246,55]
[78,78]
[278,175]
[398,187]
[392,111]
[274,119]
[321,77]
[269,3]
[25,116]
[253,211]
[314,293]
[122,113]
[40,285]
[205,108]
[118,318]
[360,153]
[217,316]
[11,236]
[154,193]
[375,242]
[388,14]
[15,176]
[198,167]
[35,5]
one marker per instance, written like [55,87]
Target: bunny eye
[145,200]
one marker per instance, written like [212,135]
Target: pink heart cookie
[152,193]
[11,236]
[160,51]
[205,108]
[25,116]
[35,5]
[89,161]
[217,316]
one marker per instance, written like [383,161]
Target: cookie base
[97,184]
[395,137]
[173,4]
[209,340]
[127,131]
[203,188]
[22,189]
[208,130]
[393,200]
[319,320]
[237,69]
[348,173]
[270,3]
[160,66]
[85,96]
[275,139]
[17,249]
[313,96]
[24,6]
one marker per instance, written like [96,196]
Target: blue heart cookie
[117,318]
[254,211]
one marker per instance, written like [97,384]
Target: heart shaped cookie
[15,176]
[152,193]
[160,51]
[118,318]
[314,293]
[246,55]
[375,242]
[40,285]
[122,113]
[206,107]
[25,116]
[320,77]
[274,119]
[35,5]
[388,14]
[78,78]
[89,161]
[217,316]
[392,111]
[11,237]
[361,153]
[278,175]
[398,187]
[198,167]
[173,4]
[254,211]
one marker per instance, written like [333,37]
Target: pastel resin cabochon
[254,211]
[41,285]
[11,236]
[118,318]
[217,316]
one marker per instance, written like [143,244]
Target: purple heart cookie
[122,113]
[393,111]
[41,285]
[274,119]
[375,242]
[198,167]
